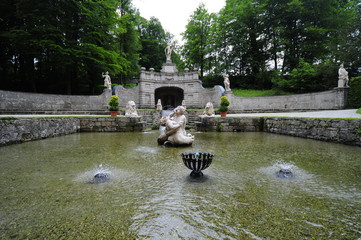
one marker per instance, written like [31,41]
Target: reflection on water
[44,191]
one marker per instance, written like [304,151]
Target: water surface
[45,194]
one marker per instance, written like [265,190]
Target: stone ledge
[332,130]
[19,130]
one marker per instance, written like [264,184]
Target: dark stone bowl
[197,161]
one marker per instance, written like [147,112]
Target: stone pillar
[341,97]
[341,83]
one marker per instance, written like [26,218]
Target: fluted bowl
[197,161]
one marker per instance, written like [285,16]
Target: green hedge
[354,97]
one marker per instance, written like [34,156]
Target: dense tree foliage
[293,42]
[63,46]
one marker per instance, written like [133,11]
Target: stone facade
[172,87]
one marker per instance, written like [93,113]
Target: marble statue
[131,110]
[184,104]
[159,105]
[107,80]
[174,133]
[342,77]
[209,110]
[168,51]
[227,84]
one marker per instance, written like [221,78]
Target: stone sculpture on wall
[159,105]
[342,77]
[131,110]
[107,80]
[227,84]
[209,110]
[168,51]
[174,133]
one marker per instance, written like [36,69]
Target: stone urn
[197,161]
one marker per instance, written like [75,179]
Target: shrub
[300,79]
[224,104]
[308,78]
[354,96]
[113,103]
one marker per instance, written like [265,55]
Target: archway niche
[171,97]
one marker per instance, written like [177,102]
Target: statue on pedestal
[342,77]
[107,80]
[227,84]
[168,51]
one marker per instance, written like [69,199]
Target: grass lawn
[258,93]
[358,110]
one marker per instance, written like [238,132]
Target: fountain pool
[45,191]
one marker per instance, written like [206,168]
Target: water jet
[100,178]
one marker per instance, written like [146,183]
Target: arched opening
[171,97]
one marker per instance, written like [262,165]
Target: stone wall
[195,97]
[18,130]
[333,99]
[111,124]
[332,130]
[22,102]
[211,124]
[23,130]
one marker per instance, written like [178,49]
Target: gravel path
[349,113]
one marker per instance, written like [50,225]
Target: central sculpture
[173,132]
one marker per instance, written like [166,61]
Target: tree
[196,49]
[242,40]
[153,40]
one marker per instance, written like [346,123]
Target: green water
[44,192]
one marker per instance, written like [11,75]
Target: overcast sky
[174,14]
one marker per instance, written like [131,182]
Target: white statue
[159,105]
[342,77]
[107,80]
[168,51]
[175,133]
[209,110]
[184,104]
[131,110]
[227,84]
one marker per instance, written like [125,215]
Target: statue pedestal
[341,83]
[169,67]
